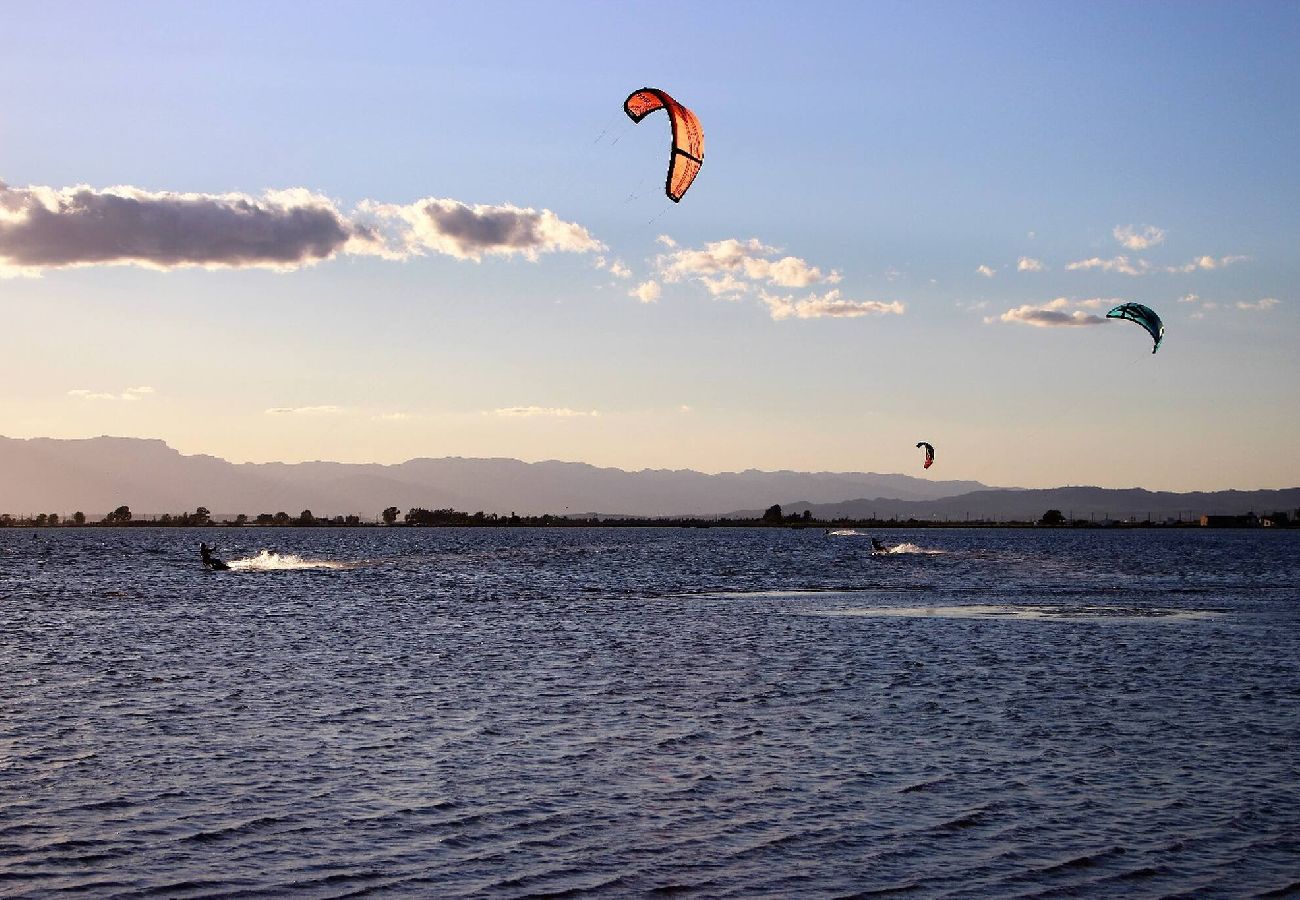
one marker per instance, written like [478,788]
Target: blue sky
[948,183]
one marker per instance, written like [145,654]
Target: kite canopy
[929,454]
[688,137]
[1144,316]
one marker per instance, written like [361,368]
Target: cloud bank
[48,228]
[828,305]
[736,269]
[43,228]
[733,265]
[130,394]
[1122,265]
[1050,315]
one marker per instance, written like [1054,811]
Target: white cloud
[727,286]
[393,417]
[1138,237]
[559,412]
[1206,263]
[733,259]
[830,304]
[1098,302]
[985,271]
[51,228]
[1118,264]
[1266,303]
[666,240]
[1123,265]
[472,232]
[324,410]
[646,291]
[1052,314]
[1029,264]
[614,267]
[130,394]
[685,407]
[1189,298]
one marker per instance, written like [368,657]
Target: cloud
[614,267]
[1029,264]
[1124,266]
[1049,315]
[325,410]
[1266,303]
[646,291]
[1206,263]
[1120,264]
[553,411]
[1097,302]
[1138,237]
[52,228]
[735,259]
[726,286]
[985,271]
[48,228]
[472,232]
[393,417]
[130,394]
[828,305]
[1189,298]
[666,241]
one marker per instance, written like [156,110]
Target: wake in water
[911,548]
[269,561]
[886,550]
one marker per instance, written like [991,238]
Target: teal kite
[1144,316]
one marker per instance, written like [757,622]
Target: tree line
[773,516]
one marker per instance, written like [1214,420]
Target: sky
[372,232]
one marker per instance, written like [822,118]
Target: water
[745,713]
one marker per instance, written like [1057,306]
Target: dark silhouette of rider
[878,547]
[206,552]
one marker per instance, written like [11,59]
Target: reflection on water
[1049,613]
[625,711]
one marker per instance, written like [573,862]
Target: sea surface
[613,712]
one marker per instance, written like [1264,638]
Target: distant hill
[96,475]
[1077,502]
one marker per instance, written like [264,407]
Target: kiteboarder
[210,561]
[878,547]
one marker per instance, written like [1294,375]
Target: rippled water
[717,712]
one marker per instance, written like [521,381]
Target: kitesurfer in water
[878,547]
[210,561]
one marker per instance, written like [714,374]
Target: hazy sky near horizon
[373,232]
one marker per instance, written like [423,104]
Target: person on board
[210,561]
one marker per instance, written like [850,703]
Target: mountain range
[96,475]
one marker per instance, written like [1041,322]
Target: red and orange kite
[688,137]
